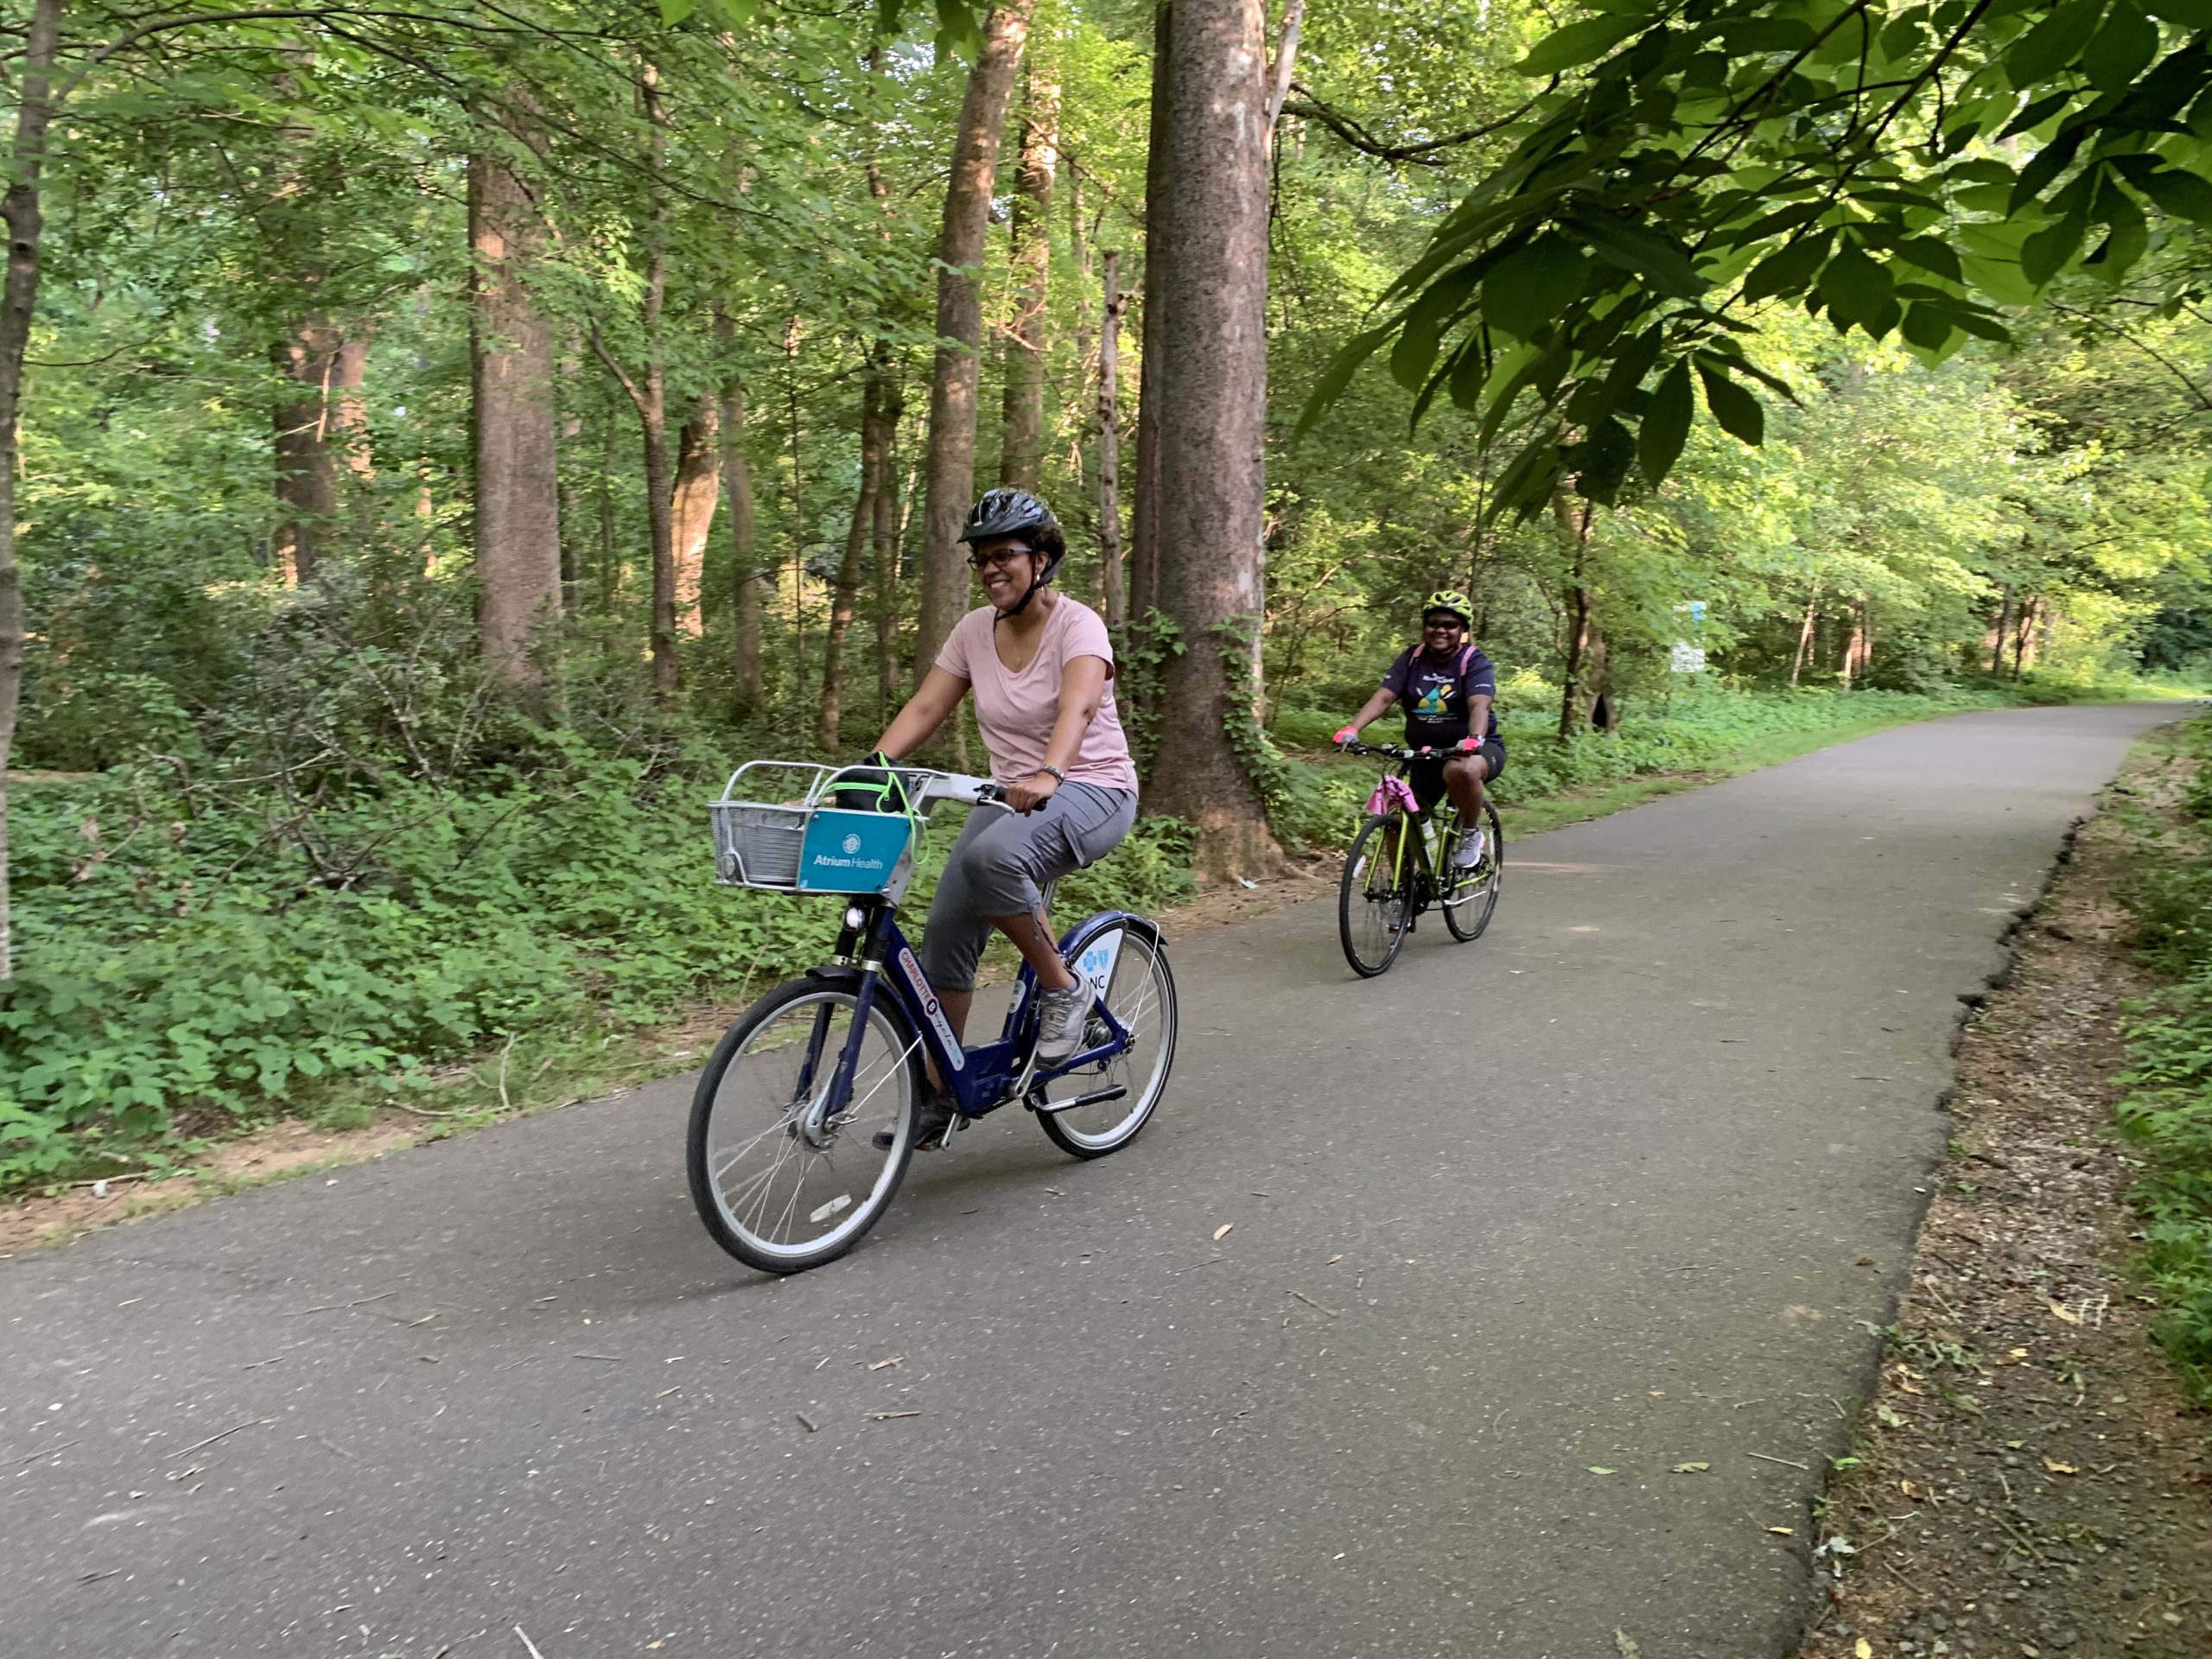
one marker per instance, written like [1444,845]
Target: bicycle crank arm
[1096,1097]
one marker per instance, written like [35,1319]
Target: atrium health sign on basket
[851,852]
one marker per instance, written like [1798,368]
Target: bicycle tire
[1466,916]
[713,1100]
[1094,1131]
[1355,895]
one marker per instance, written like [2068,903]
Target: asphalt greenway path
[1515,1232]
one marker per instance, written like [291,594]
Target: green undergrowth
[199,951]
[2168,1112]
[182,969]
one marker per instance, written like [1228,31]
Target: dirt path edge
[2025,1476]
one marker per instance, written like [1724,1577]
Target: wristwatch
[1058,774]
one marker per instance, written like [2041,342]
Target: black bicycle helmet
[1007,512]
[1018,513]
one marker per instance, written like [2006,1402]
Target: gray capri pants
[1001,861]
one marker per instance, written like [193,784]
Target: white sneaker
[1470,852]
[1061,1017]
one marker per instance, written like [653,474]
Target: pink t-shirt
[1017,711]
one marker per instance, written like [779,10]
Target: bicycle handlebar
[1398,751]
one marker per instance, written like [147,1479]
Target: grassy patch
[2168,1112]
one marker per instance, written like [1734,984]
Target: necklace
[1024,643]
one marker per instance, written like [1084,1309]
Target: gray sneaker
[1470,851]
[1061,1016]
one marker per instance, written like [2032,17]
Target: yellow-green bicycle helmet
[1452,600]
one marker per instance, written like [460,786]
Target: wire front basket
[843,833]
[758,846]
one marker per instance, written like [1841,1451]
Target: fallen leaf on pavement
[1692,1468]
[1864,1650]
[1221,1232]
[1784,1532]
[886,1364]
[2058,1468]
[1626,1643]
[1596,1469]
[1913,1489]
[2065,1313]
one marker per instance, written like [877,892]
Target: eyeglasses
[1004,557]
[1451,622]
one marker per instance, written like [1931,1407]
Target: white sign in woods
[1689,658]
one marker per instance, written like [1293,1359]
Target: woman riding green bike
[1449,690]
[1041,666]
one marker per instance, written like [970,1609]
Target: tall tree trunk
[610,568]
[512,429]
[746,582]
[568,495]
[1208,297]
[349,415]
[1805,633]
[1159,233]
[2022,636]
[698,491]
[798,513]
[953,383]
[892,506]
[878,414]
[21,208]
[660,520]
[1597,674]
[1109,447]
[1079,250]
[1021,449]
[1285,61]
[307,463]
[1854,643]
[1572,519]
[648,394]
[1998,632]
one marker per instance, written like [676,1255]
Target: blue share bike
[782,1153]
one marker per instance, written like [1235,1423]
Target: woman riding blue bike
[1041,666]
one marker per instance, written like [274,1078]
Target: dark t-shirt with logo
[1435,694]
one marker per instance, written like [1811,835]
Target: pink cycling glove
[1346,735]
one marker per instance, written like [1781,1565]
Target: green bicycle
[1400,865]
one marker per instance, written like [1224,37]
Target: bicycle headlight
[854,916]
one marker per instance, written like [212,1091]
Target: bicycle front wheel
[1372,909]
[784,1178]
[1472,895]
[1122,1091]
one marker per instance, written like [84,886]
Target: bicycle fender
[1096,923]
[888,997]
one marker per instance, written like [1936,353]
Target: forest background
[444,442]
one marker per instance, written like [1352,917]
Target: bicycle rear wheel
[1473,894]
[1140,991]
[783,1183]
[1372,917]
